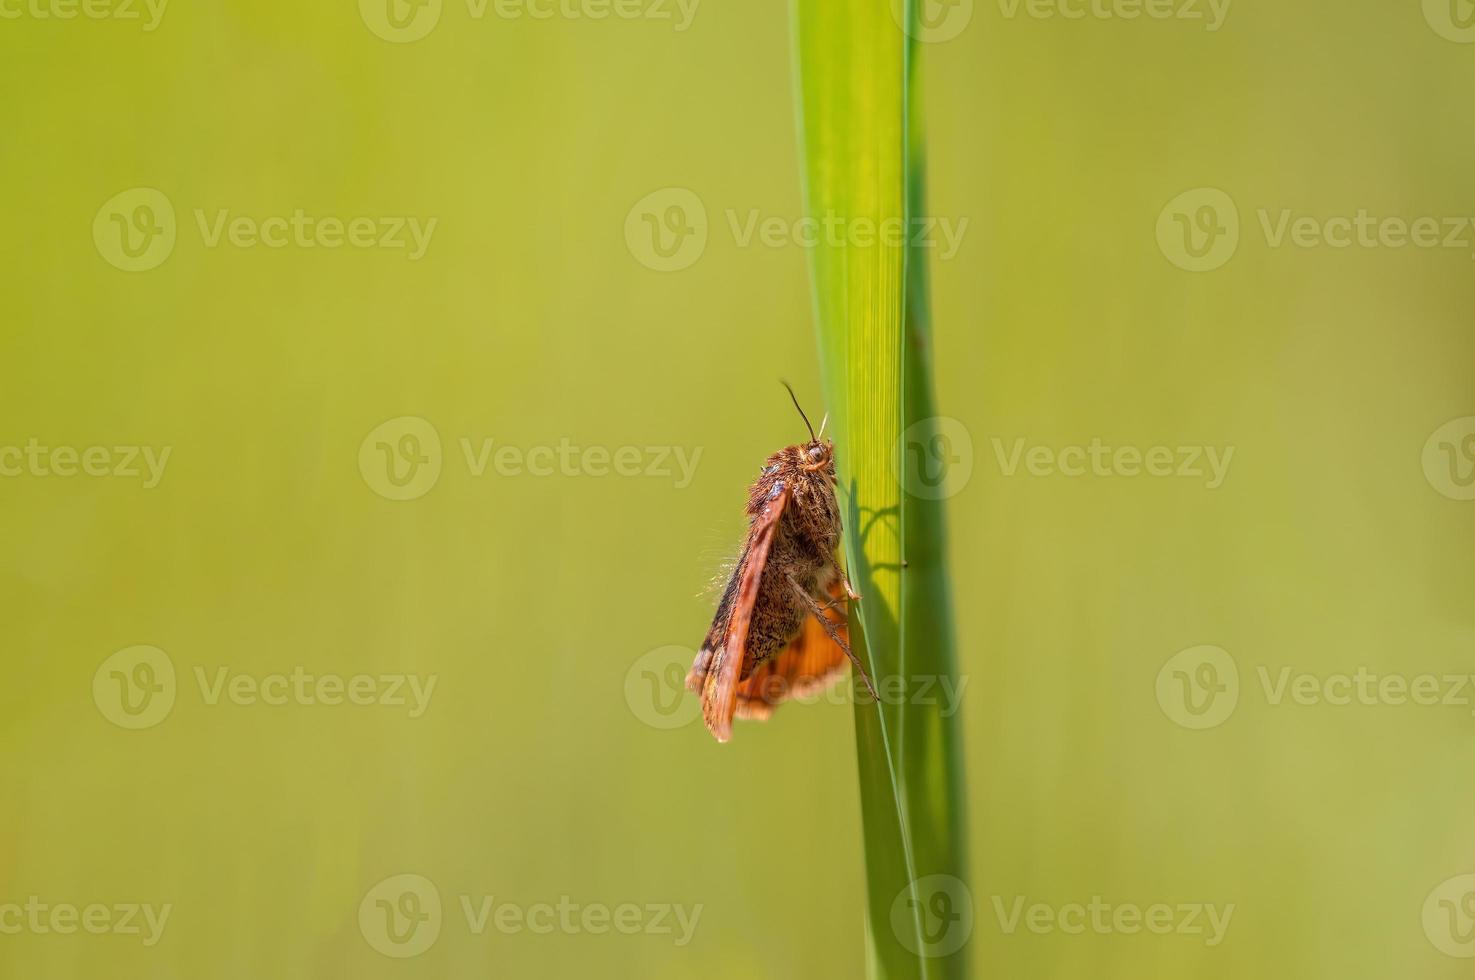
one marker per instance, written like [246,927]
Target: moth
[781,626]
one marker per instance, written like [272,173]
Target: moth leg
[850,592]
[832,604]
[818,612]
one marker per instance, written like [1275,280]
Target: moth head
[819,457]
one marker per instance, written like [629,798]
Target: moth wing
[808,665]
[702,665]
[719,663]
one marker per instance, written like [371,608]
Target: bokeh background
[552,762]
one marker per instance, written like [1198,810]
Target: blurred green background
[551,762]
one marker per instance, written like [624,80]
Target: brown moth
[781,628]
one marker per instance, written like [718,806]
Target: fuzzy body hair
[803,550]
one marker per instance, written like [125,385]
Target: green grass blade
[862,168]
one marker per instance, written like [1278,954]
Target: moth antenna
[822,423]
[795,397]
